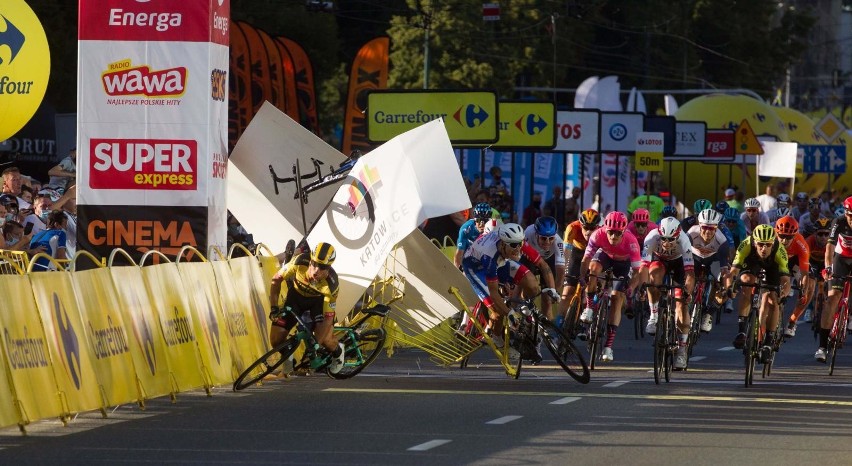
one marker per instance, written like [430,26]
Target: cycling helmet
[323,254]
[840,211]
[615,220]
[668,211]
[511,233]
[701,205]
[482,211]
[709,217]
[669,227]
[731,213]
[641,215]
[822,223]
[782,212]
[491,225]
[752,203]
[847,203]
[590,217]
[801,196]
[814,202]
[722,206]
[545,226]
[763,234]
[783,200]
[786,226]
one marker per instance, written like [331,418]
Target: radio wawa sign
[152,124]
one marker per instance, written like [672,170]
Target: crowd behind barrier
[82,340]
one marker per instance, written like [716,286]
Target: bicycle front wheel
[750,349]
[360,352]
[837,337]
[564,351]
[267,363]
[660,347]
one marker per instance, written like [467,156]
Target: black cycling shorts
[308,308]
[575,260]
[840,267]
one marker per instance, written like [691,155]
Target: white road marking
[503,420]
[697,358]
[615,384]
[429,445]
[726,348]
[565,401]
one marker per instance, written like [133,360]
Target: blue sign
[824,159]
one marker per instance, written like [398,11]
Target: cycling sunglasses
[546,238]
[480,220]
[514,245]
[640,224]
[764,244]
[823,234]
[590,228]
[321,266]
[615,233]
[708,227]
[785,237]
[751,209]
[667,239]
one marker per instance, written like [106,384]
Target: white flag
[778,159]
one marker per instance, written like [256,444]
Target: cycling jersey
[840,237]
[806,224]
[626,250]
[817,252]
[798,253]
[483,263]
[738,233]
[303,294]
[706,249]
[556,250]
[467,234]
[688,222]
[574,235]
[641,238]
[750,224]
[747,258]
[656,249]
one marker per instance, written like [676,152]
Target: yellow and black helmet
[323,254]
[590,217]
[763,234]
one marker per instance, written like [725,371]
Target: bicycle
[819,305]
[571,321]
[751,350]
[666,335]
[363,339]
[528,326]
[597,329]
[837,336]
[641,313]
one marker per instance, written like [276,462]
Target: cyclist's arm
[688,262]
[286,271]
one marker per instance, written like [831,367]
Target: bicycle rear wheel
[267,363]
[563,350]
[671,341]
[598,332]
[838,336]
[361,352]
[569,325]
[697,316]
[750,348]
[660,346]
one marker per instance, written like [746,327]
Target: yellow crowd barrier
[79,340]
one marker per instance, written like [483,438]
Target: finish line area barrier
[119,332]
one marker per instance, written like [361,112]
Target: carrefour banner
[387,194]
[152,109]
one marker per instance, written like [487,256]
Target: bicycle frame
[837,337]
[751,350]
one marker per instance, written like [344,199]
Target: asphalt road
[407,410]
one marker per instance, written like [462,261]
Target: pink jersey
[641,238]
[626,249]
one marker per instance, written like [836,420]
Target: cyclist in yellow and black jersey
[760,251]
[312,288]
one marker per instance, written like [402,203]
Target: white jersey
[557,247]
[705,249]
[655,249]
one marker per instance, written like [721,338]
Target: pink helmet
[615,220]
[641,215]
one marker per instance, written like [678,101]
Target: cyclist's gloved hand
[826,273]
[551,293]
[275,312]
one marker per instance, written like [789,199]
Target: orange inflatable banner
[369,71]
[305,89]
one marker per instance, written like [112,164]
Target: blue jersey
[737,234]
[467,235]
[52,240]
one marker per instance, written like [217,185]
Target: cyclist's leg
[839,270]
[748,275]
[769,308]
[656,272]
[620,269]
[807,285]
[572,278]
[475,275]
[323,327]
[595,269]
[282,325]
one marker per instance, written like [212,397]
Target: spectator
[572,206]
[64,174]
[556,206]
[826,204]
[42,205]
[14,238]
[53,239]
[767,199]
[12,182]
[533,210]
[27,193]
[730,194]
[68,204]
[497,183]
[11,204]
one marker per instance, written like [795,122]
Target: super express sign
[527,125]
[471,117]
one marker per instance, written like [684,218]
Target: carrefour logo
[69,344]
[531,124]
[24,66]
[470,115]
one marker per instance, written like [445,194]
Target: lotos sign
[24,65]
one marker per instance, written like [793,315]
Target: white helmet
[783,199]
[491,225]
[709,217]
[752,203]
[669,227]
[782,212]
[510,233]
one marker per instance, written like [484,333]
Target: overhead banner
[369,72]
[470,117]
[153,111]
[527,126]
[24,66]
[619,130]
[388,193]
[578,131]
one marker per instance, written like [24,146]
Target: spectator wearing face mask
[53,239]
[42,206]
[14,239]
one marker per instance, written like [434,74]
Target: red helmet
[786,226]
[615,220]
[847,204]
[641,215]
